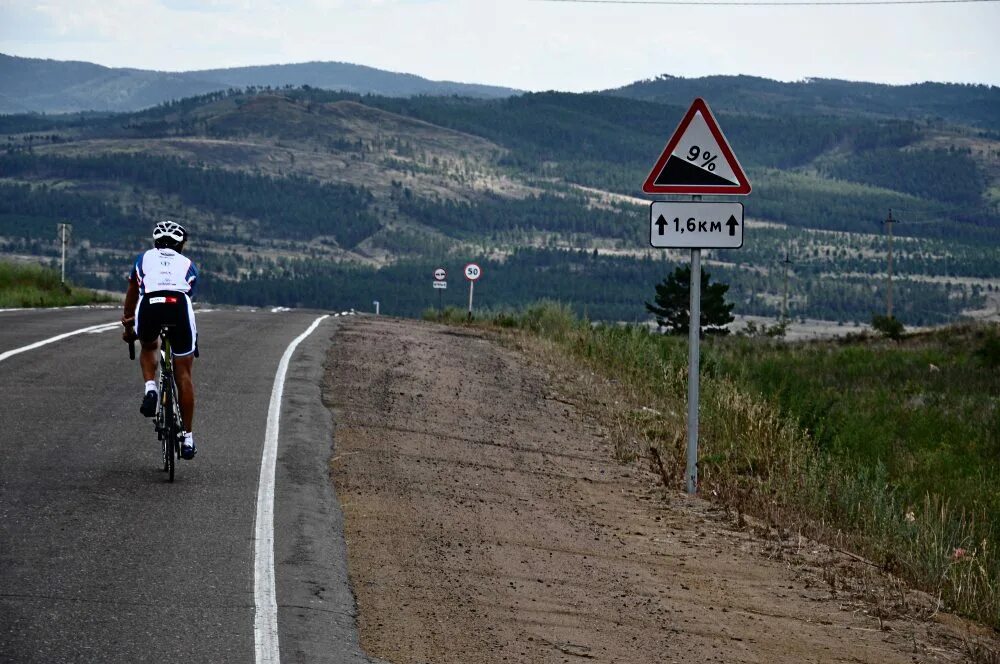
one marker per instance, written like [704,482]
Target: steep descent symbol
[697,159]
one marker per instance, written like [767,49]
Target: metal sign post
[472,273]
[697,160]
[440,275]
[63,230]
[694,364]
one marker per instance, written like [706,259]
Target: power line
[768,3]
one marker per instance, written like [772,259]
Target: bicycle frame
[168,420]
[166,355]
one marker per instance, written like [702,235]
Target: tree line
[291,207]
[600,287]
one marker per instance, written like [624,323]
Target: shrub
[888,326]
[989,352]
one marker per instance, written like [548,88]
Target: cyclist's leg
[183,338]
[185,389]
[148,358]
[148,319]
[147,327]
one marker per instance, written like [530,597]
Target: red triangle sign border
[742,187]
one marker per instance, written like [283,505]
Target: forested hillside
[314,197]
[976,105]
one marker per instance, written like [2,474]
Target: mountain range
[31,85]
[308,196]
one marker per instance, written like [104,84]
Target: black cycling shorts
[167,308]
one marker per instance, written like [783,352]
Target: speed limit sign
[473,272]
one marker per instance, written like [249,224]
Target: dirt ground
[487,521]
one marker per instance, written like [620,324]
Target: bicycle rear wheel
[160,424]
[170,431]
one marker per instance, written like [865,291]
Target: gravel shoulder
[487,520]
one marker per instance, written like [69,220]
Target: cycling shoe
[148,407]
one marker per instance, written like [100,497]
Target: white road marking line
[95,307]
[93,329]
[265,629]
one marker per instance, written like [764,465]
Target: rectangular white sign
[440,284]
[696,225]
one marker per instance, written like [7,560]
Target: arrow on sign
[661,224]
[732,223]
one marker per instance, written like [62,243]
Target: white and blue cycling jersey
[164,270]
[167,283]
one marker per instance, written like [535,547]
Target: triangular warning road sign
[697,159]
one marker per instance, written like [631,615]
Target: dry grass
[756,460]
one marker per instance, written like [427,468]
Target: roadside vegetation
[889,449]
[37,286]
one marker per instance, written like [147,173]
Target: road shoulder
[487,521]
[317,614]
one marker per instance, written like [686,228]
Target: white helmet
[169,229]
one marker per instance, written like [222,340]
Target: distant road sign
[440,284]
[697,159]
[473,272]
[696,225]
[440,274]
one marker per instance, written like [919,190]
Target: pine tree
[673,304]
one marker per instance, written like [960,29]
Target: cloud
[202,6]
[530,45]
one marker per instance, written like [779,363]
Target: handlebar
[131,343]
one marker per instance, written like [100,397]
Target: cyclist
[161,284]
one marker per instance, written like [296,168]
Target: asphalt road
[102,560]
[19,328]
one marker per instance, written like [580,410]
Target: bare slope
[486,521]
[343,142]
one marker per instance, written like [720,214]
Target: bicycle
[167,422]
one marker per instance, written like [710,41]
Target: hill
[976,105]
[31,85]
[313,197]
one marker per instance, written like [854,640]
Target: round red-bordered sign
[473,272]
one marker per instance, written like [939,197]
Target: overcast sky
[526,44]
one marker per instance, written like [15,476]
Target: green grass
[889,449]
[37,286]
[900,445]
[926,408]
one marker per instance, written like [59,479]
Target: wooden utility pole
[784,300]
[64,230]
[888,297]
